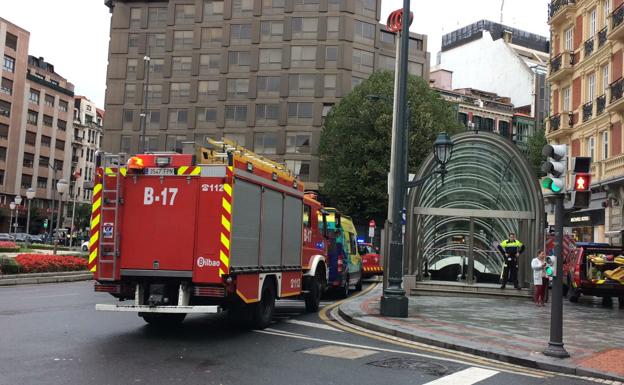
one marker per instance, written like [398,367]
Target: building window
[211,37]
[31,138]
[5,108]
[304,27]
[150,143]
[606,12]
[265,143]
[129,93]
[242,8]
[331,57]
[303,56]
[4,131]
[208,90]
[366,7]
[1,177]
[271,31]
[28,160]
[415,45]
[270,58]
[174,143]
[239,139]
[45,141]
[569,36]
[301,168]
[566,100]
[355,81]
[387,37]
[213,9]
[44,161]
[42,182]
[387,63]
[156,42]
[591,148]
[268,86]
[156,66]
[3,152]
[273,7]
[267,112]
[179,92]
[135,17]
[605,79]
[34,96]
[239,61]
[128,117]
[11,41]
[131,69]
[334,5]
[157,17]
[48,120]
[153,119]
[298,143]
[60,145]
[363,32]
[154,93]
[605,145]
[237,88]
[125,144]
[330,85]
[206,115]
[333,27]
[209,64]
[9,64]
[26,181]
[301,85]
[307,5]
[63,105]
[183,39]
[326,109]
[6,86]
[184,14]
[363,61]
[236,113]
[181,65]
[415,68]
[48,100]
[299,111]
[178,118]
[591,87]
[592,22]
[133,42]
[61,124]
[240,33]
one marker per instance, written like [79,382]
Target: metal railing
[557,5]
[617,17]
[555,63]
[555,122]
[617,90]
[589,46]
[601,104]
[588,110]
[602,37]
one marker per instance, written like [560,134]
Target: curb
[534,364]
[38,278]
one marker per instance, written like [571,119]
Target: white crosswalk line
[465,377]
[313,325]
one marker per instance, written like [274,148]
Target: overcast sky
[73,34]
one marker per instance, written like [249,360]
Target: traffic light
[555,167]
[551,266]
[581,194]
[45,223]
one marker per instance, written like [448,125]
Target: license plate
[160,171]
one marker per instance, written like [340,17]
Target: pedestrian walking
[538,265]
[511,249]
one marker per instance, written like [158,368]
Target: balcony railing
[589,46]
[617,17]
[602,37]
[555,63]
[601,104]
[588,110]
[557,5]
[617,90]
[555,122]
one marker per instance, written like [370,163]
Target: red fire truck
[222,229]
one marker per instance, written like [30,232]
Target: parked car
[371,260]
[6,237]
[36,239]
[593,269]
[85,246]
[22,237]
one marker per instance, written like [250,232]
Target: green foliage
[83,215]
[535,145]
[9,265]
[354,148]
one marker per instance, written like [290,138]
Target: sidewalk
[509,330]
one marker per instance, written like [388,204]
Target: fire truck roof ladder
[111,199]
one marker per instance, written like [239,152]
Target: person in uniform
[511,249]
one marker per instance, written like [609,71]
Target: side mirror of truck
[337,216]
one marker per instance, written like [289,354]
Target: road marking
[468,376]
[344,352]
[283,331]
[51,296]
[313,325]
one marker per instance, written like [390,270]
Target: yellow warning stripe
[225,223]
[92,256]
[94,238]
[97,188]
[225,241]
[224,258]
[95,221]
[228,189]
[196,171]
[123,171]
[96,205]
[182,170]
[227,206]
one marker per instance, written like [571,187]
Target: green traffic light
[546,183]
[555,188]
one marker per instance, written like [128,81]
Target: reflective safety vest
[510,247]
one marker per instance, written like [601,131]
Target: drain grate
[421,365]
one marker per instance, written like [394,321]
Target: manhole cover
[421,365]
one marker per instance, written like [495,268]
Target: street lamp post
[30,194]
[18,202]
[146,60]
[12,208]
[61,186]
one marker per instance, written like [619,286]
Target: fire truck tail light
[135,163]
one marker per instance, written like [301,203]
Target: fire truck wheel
[313,297]
[162,319]
[344,291]
[262,312]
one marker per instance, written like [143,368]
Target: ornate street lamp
[18,202]
[443,149]
[12,207]
[30,195]
[62,187]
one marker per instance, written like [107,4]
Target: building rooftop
[475,31]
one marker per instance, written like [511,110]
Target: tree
[535,145]
[354,147]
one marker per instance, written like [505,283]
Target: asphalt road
[50,334]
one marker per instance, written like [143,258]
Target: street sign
[371,228]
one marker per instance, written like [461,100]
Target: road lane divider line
[313,325]
[468,376]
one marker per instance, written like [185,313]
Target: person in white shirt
[539,273]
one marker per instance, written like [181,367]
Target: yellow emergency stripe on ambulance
[186,170]
[226,223]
